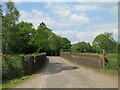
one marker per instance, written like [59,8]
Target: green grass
[107,72]
[14,82]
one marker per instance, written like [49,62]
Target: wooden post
[104,53]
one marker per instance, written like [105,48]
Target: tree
[1,15]
[10,35]
[74,48]
[26,32]
[47,41]
[23,38]
[65,43]
[42,25]
[81,47]
[104,41]
[1,11]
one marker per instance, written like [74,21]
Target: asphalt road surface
[60,73]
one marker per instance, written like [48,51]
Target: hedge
[14,66]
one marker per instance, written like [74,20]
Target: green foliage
[104,41]
[113,61]
[12,83]
[26,32]
[66,44]
[81,47]
[12,66]
[0,28]
[15,66]
[10,37]
[23,38]
[46,41]
[41,38]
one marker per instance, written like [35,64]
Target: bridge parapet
[93,61]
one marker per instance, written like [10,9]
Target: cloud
[65,17]
[80,19]
[89,35]
[35,17]
[62,0]
[66,14]
[86,7]
[106,6]
[77,36]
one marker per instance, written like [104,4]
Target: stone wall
[92,61]
[33,63]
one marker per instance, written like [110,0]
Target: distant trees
[81,47]
[65,44]
[101,42]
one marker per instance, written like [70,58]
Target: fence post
[104,53]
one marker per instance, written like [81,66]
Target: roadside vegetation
[14,82]
[113,61]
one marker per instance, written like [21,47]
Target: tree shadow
[55,67]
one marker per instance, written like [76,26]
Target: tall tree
[1,15]
[10,29]
[40,38]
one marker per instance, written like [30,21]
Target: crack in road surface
[60,73]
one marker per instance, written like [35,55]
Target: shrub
[12,66]
[15,66]
[113,61]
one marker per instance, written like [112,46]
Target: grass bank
[14,82]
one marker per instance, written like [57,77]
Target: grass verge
[107,72]
[14,82]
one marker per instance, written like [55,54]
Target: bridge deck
[60,73]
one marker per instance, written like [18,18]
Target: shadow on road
[56,67]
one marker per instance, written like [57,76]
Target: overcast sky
[77,21]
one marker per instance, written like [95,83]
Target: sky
[78,21]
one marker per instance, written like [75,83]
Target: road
[60,73]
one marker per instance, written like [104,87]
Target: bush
[113,61]
[12,66]
[15,66]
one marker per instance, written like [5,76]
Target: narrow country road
[60,73]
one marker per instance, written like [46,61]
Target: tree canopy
[22,37]
[104,41]
[81,47]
